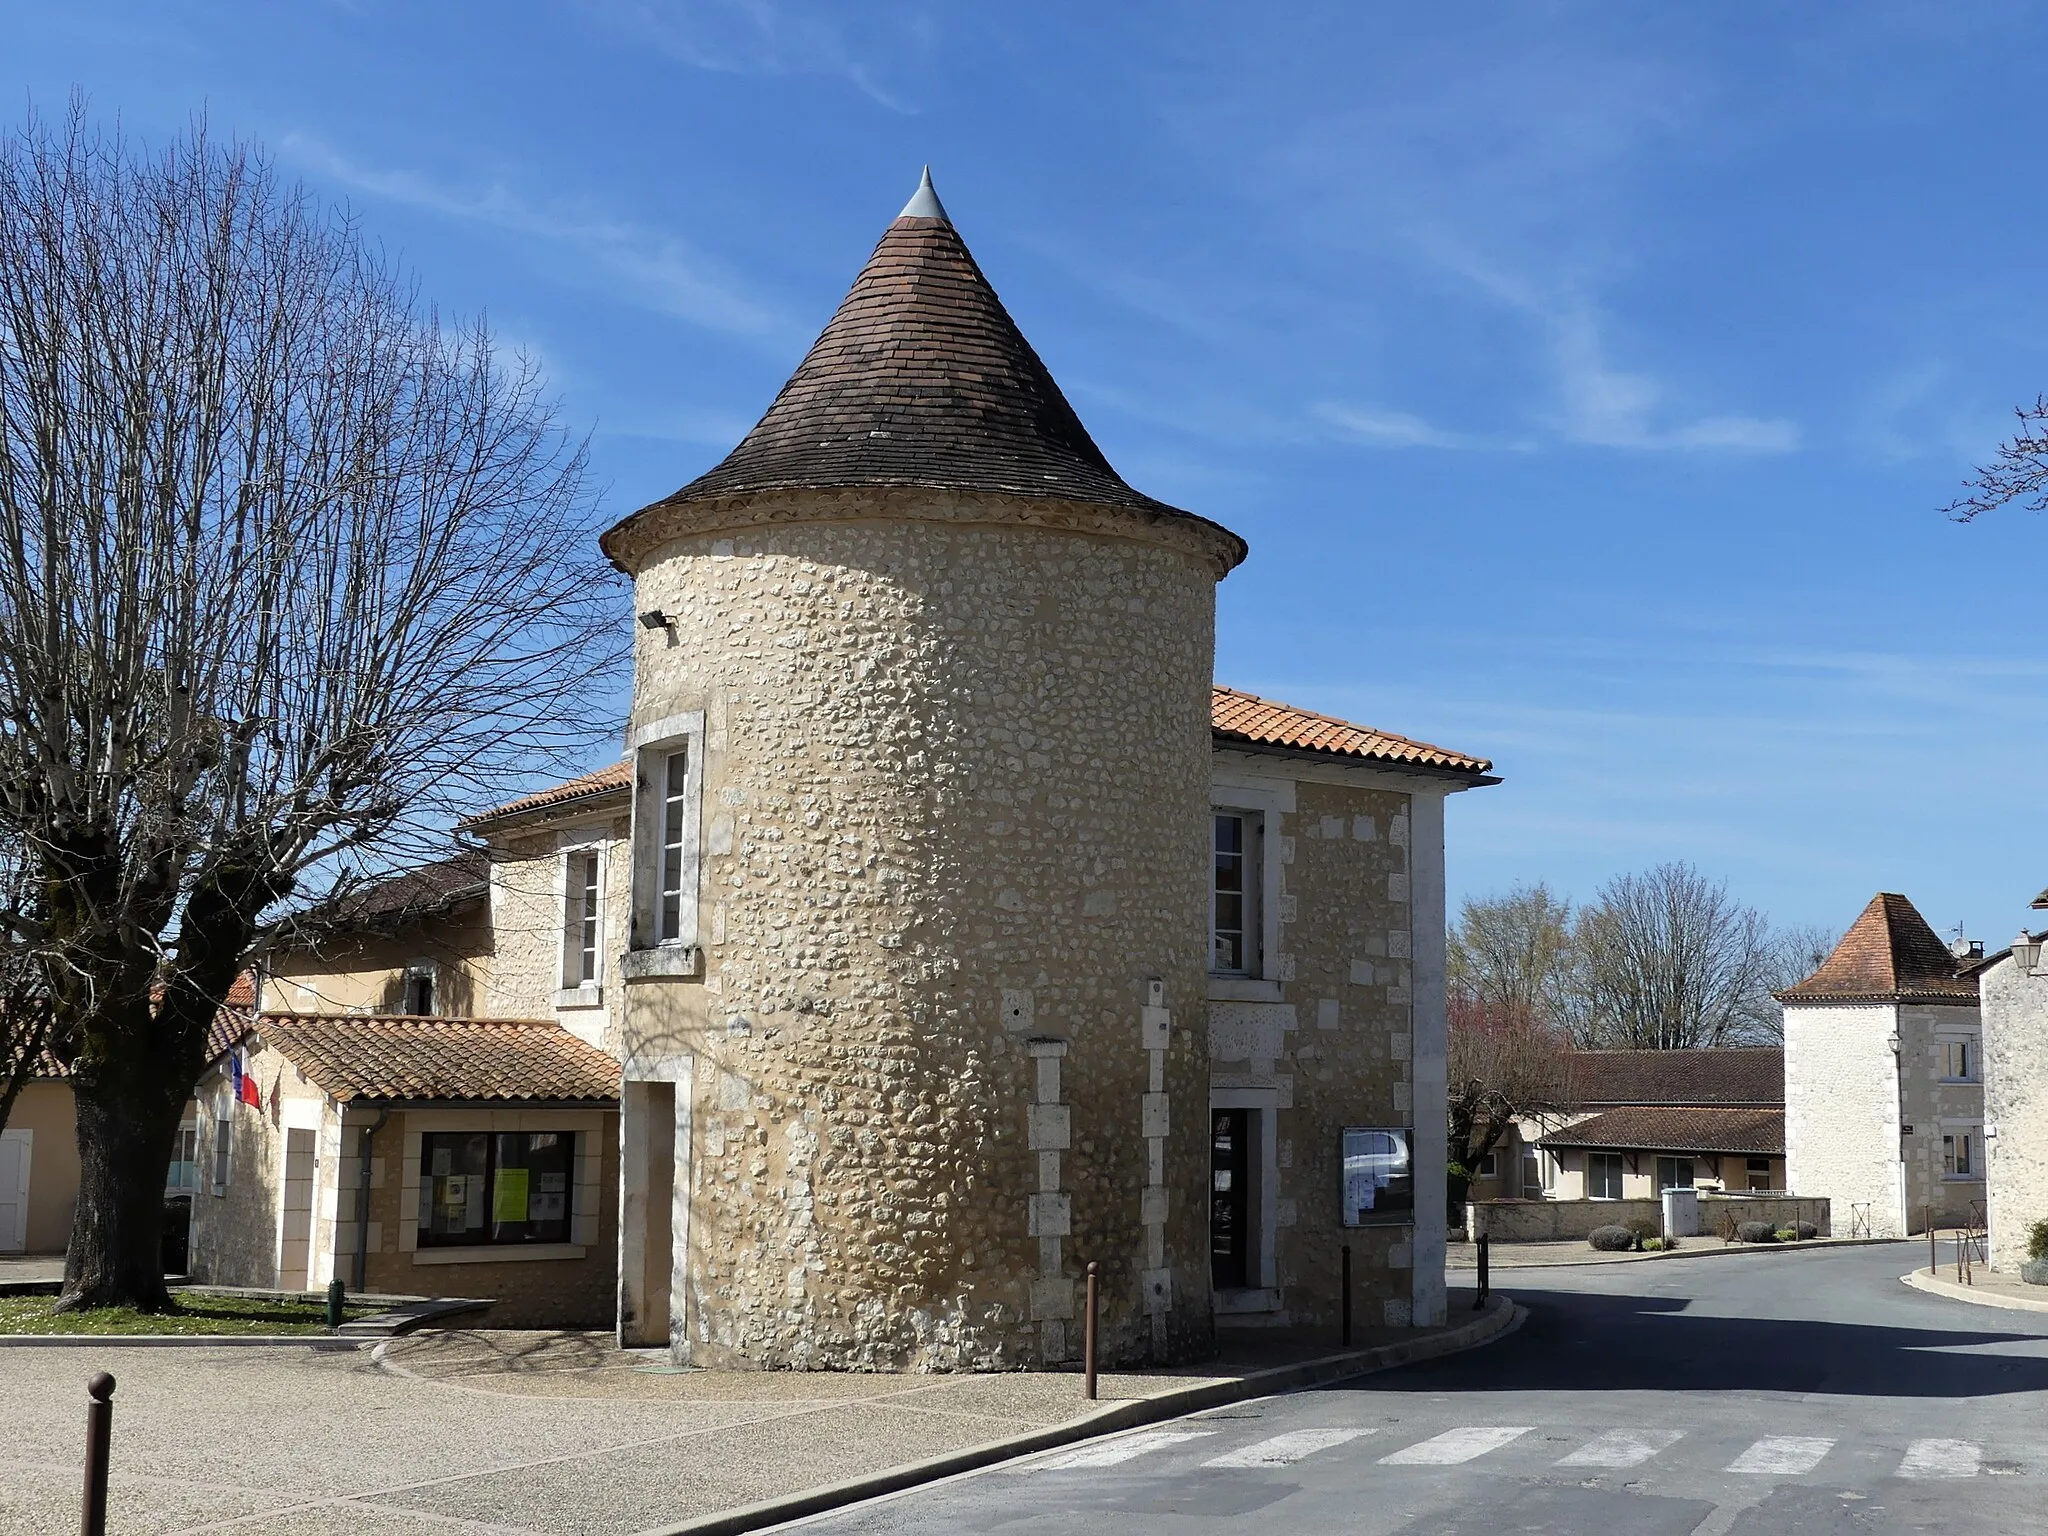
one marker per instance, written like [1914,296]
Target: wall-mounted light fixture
[1893,1041]
[2026,952]
[654,618]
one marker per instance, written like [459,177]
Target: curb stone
[1721,1252]
[1500,1318]
[1948,1290]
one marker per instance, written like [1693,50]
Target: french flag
[245,1083]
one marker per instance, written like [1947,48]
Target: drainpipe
[363,1202]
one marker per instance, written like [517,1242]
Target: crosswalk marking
[1454,1446]
[1941,1458]
[1782,1455]
[1285,1450]
[1623,1448]
[1107,1453]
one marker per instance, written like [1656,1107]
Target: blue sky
[1586,378]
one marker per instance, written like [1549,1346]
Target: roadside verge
[1500,1317]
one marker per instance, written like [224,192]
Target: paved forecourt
[1713,1398]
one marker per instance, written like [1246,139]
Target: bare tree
[1513,953]
[2019,473]
[1666,960]
[288,566]
[1504,1061]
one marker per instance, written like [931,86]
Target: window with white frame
[582,917]
[223,1148]
[184,1170]
[1489,1166]
[1958,1061]
[667,786]
[1235,870]
[1959,1153]
[1674,1173]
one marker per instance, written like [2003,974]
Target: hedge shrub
[1806,1231]
[1644,1228]
[1757,1232]
[2037,1239]
[1611,1239]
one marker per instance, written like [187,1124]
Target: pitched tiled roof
[1246,717]
[1724,1075]
[413,893]
[1656,1128]
[603,782]
[386,1057]
[1888,955]
[923,379]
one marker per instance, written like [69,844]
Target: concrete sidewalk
[1463,1258]
[559,1433]
[1986,1288]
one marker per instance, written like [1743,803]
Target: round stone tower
[921,720]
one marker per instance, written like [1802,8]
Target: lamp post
[2026,953]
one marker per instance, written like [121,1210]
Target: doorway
[15,1147]
[1230,1199]
[296,1219]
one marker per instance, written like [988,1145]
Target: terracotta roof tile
[605,781]
[1726,1076]
[1265,722]
[1656,1128]
[419,892]
[1889,954]
[387,1057]
[922,379]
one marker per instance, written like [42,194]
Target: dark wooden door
[1230,1207]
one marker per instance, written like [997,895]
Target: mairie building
[950,927]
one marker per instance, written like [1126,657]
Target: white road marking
[1454,1446]
[1623,1448]
[1107,1453]
[1941,1458]
[1782,1455]
[1285,1450]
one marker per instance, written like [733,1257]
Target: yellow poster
[508,1195]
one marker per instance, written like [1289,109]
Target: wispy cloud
[1401,429]
[871,49]
[659,271]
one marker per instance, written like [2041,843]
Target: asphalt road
[1801,1392]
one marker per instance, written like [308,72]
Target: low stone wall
[1553,1221]
[1717,1212]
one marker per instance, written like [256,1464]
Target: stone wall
[1336,1044]
[956,793]
[1553,1221]
[530,921]
[1935,1107]
[236,1228]
[1842,1126]
[1721,1214]
[2015,1025]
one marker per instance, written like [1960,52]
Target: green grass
[192,1312]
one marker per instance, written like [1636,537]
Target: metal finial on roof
[924,202]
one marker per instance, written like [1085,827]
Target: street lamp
[2026,952]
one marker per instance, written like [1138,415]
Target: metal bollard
[99,1436]
[337,1296]
[1088,1339]
[1485,1272]
[1344,1273]
[1927,1213]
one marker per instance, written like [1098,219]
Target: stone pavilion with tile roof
[1884,1084]
[952,928]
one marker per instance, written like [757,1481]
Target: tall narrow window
[583,893]
[419,992]
[674,830]
[1603,1175]
[1958,1155]
[1955,1060]
[1233,894]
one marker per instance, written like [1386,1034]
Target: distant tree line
[1663,959]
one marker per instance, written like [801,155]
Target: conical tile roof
[1889,954]
[923,379]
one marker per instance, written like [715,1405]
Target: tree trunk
[126,1127]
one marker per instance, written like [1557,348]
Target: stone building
[971,936]
[952,929]
[1884,1084]
[2014,997]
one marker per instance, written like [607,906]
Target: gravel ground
[475,1431]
